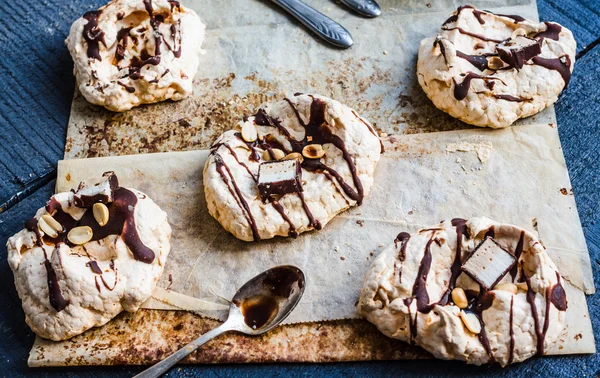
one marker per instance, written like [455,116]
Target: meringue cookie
[338,152]
[464,73]
[66,289]
[133,52]
[408,294]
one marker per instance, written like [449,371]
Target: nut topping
[277,153]
[522,286]
[459,297]
[510,287]
[294,155]
[100,212]
[495,63]
[518,32]
[471,321]
[80,235]
[49,225]
[249,133]
[313,151]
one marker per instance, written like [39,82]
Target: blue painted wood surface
[36,90]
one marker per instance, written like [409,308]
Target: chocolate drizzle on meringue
[517,253]
[478,61]
[93,35]
[478,301]
[315,132]
[553,31]
[462,89]
[402,238]
[55,296]
[93,265]
[511,346]
[562,65]
[121,222]
[235,191]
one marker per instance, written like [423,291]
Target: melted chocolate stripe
[292,231]
[337,189]
[232,151]
[461,90]
[510,98]
[456,268]
[32,225]
[511,348]
[552,31]
[518,251]
[237,194]
[93,35]
[312,222]
[403,238]
[57,301]
[564,69]
[419,290]
[322,136]
[478,61]
[121,222]
[558,297]
[370,129]
[536,320]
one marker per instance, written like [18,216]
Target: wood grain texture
[36,94]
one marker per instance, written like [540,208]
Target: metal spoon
[324,26]
[367,8]
[258,307]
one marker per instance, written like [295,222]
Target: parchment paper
[256,54]
[510,175]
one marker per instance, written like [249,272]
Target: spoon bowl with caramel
[260,305]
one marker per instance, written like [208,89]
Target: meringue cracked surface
[337,151]
[490,70]
[409,294]
[133,52]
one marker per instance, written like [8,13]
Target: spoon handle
[324,26]
[163,366]
[367,8]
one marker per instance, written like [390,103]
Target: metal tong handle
[163,366]
[324,26]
